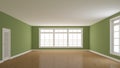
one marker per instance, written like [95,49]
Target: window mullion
[119,38]
[67,37]
[53,37]
[113,37]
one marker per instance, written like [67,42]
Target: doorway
[6,44]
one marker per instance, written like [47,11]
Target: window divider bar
[53,37]
[67,37]
[119,37]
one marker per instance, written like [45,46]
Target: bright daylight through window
[60,38]
[115,36]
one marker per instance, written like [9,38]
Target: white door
[6,44]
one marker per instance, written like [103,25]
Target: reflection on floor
[60,59]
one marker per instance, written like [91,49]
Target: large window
[115,36]
[46,38]
[60,38]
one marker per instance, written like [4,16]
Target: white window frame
[76,32]
[112,35]
[67,38]
[58,33]
[46,33]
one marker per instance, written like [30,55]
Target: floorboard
[60,59]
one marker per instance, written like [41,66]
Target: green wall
[35,36]
[25,37]
[20,34]
[100,37]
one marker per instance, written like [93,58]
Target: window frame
[76,32]
[112,24]
[46,33]
[81,46]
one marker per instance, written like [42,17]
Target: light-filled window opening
[115,36]
[60,38]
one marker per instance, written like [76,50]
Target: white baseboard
[1,61]
[20,54]
[105,55]
[81,50]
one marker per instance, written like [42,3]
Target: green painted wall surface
[95,37]
[100,37]
[35,35]
[20,36]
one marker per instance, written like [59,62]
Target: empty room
[59,33]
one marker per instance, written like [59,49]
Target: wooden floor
[60,59]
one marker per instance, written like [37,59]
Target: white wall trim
[105,55]
[1,61]
[20,54]
[9,44]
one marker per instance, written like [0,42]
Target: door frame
[6,30]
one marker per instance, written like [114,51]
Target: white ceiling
[60,12]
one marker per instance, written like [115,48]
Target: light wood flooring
[60,59]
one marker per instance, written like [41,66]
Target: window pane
[46,40]
[46,30]
[61,39]
[46,36]
[60,30]
[51,42]
[42,42]
[116,34]
[42,36]
[79,36]
[74,36]
[116,49]
[75,30]
[116,28]
[116,21]
[116,41]
[79,42]
[75,40]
